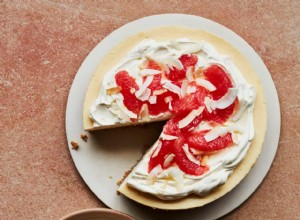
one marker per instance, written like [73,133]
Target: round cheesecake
[212,101]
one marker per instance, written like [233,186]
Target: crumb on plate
[75,145]
[84,137]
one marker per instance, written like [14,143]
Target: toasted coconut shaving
[168,137]
[132,90]
[168,160]
[189,74]
[205,84]
[144,86]
[168,99]
[172,87]
[223,102]
[157,149]
[215,133]
[184,87]
[189,155]
[148,72]
[235,138]
[170,106]
[191,89]
[204,160]
[144,114]
[198,72]
[153,174]
[152,99]
[145,95]
[159,91]
[113,90]
[190,117]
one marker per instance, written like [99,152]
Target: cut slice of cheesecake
[214,105]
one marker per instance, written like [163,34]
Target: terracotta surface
[43,43]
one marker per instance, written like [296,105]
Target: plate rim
[96,210]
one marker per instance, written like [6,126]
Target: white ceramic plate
[104,158]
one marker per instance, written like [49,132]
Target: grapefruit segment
[222,81]
[161,105]
[220,115]
[156,84]
[127,83]
[190,102]
[165,149]
[184,163]
[219,78]
[197,141]
[187,60]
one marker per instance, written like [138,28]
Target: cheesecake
[210,98]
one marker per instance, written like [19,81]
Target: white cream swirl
[172,183]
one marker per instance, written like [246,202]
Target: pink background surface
[42,45]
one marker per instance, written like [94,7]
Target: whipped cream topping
[172,183]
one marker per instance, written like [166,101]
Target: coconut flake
[190,156]
[189,74]
[196,152]
[227,99]
[190,117]
[132,90]
[198,72]
[145,95]
[172,87]
[153,99]
[168,160]
[144,86]
[184,87]
[204,126]
[191,89]
[223,102]
[170,106]
[215,133]
[159,91]
[153,174]
[206,84]
[176,174]
[156,170]
[113,90]
[223,130]
[167,62]
[235,137]
[164,67]
[173,62]
[168,100]
[149,72]
[144,113]
[194,48]
[157,149]
[168,137]
[209,104]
